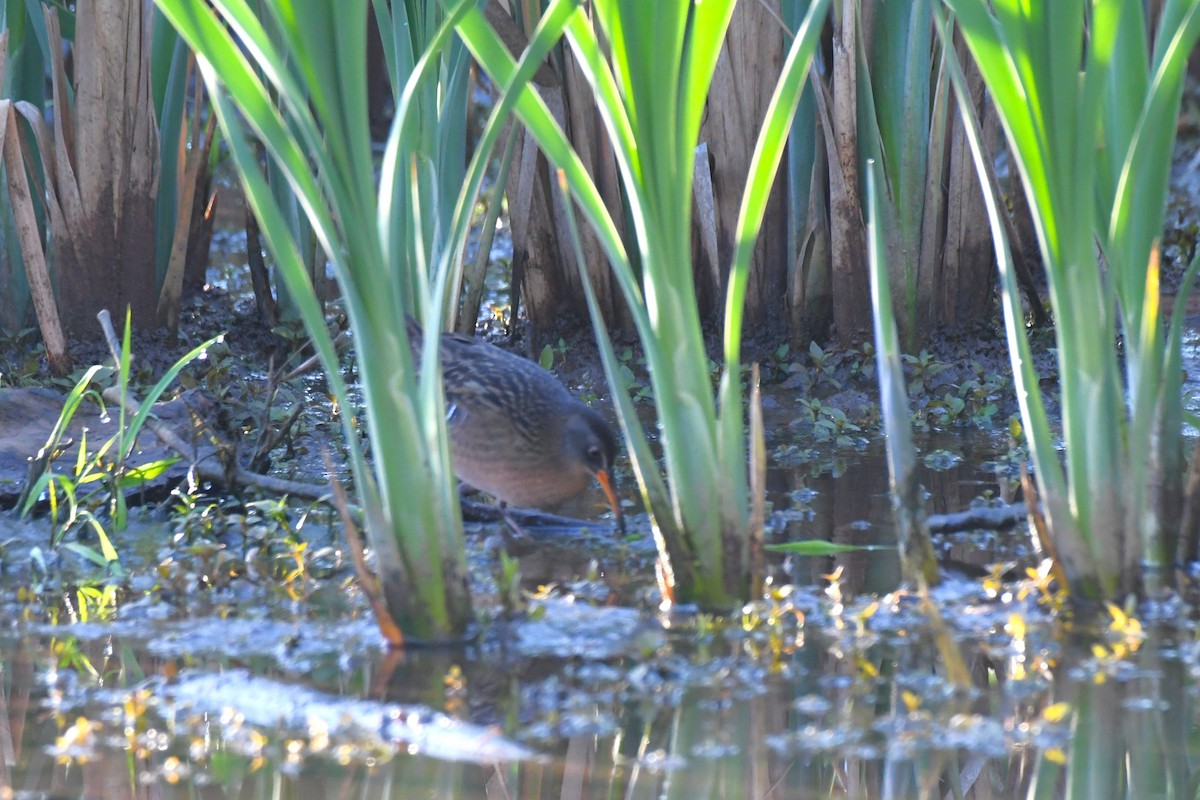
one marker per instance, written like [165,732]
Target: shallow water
[831,687]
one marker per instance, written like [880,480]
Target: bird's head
[588,440]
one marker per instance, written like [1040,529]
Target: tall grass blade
[674,568]
[917,560]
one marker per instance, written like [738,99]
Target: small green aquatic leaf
[135,476]
[815,547]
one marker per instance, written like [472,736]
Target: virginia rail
[515,431]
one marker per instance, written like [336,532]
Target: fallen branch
[993,518]
[215,471]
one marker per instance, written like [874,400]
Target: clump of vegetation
[1095,171]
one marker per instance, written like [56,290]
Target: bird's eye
[593,454]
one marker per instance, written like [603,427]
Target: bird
[515,431]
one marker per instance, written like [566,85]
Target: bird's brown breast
[538,487]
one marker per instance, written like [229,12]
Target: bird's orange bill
[611,494]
